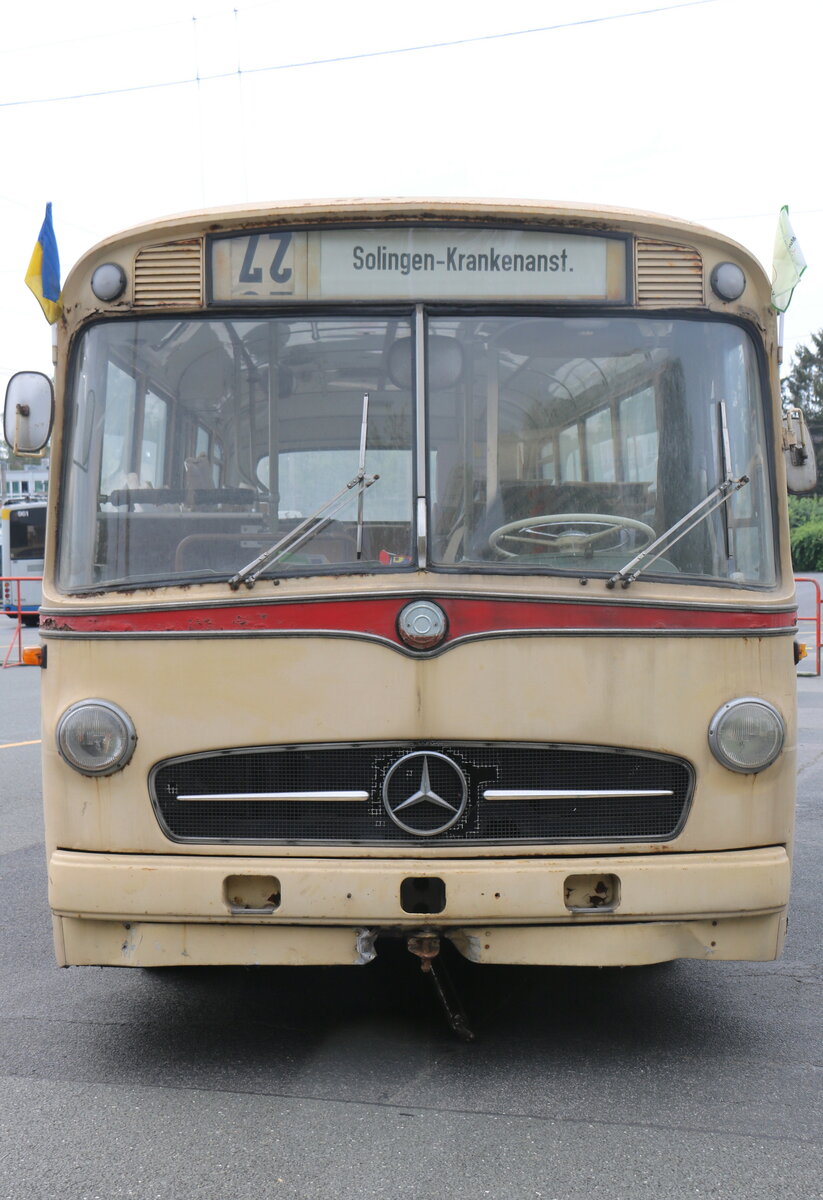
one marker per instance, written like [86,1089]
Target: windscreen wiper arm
[692,519]
[301,533]
[318,520]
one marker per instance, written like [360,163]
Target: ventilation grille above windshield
[169,274]
[668,276]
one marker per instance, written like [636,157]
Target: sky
[119,114]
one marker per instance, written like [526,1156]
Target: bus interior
[554,444]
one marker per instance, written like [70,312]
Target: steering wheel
[526,532]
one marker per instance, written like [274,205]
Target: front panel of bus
[417,578]
[23,526]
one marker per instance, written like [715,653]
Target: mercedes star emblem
[421,789]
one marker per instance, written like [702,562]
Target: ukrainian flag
[43,275]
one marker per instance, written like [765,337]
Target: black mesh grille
[608,818]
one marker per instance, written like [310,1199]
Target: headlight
[96,737]
[746,735]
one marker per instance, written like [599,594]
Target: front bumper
[178,910]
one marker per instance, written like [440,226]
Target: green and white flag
[789,263]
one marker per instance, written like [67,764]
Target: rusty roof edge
[569,213]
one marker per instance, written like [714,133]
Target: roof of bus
[289,212]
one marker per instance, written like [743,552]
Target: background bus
[23,535]
[421,570]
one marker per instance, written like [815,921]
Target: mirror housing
[29,412]
[798,449]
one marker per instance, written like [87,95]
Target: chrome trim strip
[570,793]
[285,796]
[388,644]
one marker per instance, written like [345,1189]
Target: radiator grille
[668,276]
[169,274]
[362,768]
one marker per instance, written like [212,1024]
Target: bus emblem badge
[425,793]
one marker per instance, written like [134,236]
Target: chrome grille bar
[251,797]
[572,794]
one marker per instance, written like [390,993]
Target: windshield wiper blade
[301,533]
[318,520]
[719,495]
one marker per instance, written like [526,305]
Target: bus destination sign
[416,263]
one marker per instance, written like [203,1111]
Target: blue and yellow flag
[43,275]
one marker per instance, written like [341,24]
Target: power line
[129,30]
[343,58]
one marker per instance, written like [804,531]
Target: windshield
[198,446]
[571,444]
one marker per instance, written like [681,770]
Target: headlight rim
[717,721]
[129,738]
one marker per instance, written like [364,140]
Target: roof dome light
[728,281]
[108,282]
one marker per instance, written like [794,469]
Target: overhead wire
[344,58]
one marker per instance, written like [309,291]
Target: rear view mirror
[29,412]
[798,448]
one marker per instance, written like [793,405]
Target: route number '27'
[251,273]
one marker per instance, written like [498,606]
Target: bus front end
[22,542]
[419,571]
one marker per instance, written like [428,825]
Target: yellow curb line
[11,745]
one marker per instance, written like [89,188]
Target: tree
[803,385]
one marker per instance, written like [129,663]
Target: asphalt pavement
[691,1079]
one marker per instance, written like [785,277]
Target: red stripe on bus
[377,617]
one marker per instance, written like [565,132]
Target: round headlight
[746,735]
[96,737]
[728,281]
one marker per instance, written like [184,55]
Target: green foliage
[803,385]
[807,547]
[806,525]
[804,509]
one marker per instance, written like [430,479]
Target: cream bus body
[566,694]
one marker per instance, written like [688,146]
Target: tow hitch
[426,947]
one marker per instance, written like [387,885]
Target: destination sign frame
[415,263]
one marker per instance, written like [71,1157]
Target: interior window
[153,443]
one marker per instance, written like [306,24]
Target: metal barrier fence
[815,622]
[17,636]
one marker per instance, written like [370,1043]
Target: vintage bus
[417,569]
[22,543]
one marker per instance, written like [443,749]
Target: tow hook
[426,946]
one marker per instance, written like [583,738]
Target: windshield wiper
[317,521]
[717,497]
[692,519]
